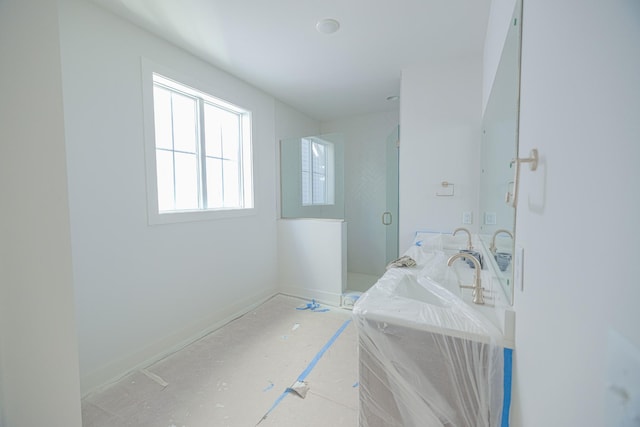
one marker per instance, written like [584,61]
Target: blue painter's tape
[310,306]
[315,360]
[311,365]
[506,399]
[313,306]
[276,403]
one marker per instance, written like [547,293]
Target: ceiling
[274,44]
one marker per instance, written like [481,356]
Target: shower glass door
[390,216]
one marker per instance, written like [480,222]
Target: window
[317,172]
[202,150]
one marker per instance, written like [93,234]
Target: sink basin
[410,287]
[401,297]
[430,293]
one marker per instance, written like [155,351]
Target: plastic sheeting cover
[426,357]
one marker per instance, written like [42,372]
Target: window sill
[193,216]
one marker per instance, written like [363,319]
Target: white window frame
[328,174]
[186,85]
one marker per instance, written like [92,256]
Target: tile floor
[233,376]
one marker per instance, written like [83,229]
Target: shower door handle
[387,218]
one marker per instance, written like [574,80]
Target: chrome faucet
[493,247]
[478,297]
[469,244]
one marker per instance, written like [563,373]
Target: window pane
[306,188]
[186,181]
[214,183]
[184,123]
[305,150]
[319,158]
[313,156]
[231,136]
[305,166]
[164,167]
[231,184]
[319,189]
[187,136]
[222,132]
[213,131]
[162,117]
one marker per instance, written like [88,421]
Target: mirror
[499,147]
[312,177]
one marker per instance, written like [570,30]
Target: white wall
[577,218]
[140,289]
[365,187]
[291,123]
[311,258]
[39,381]
[440,123]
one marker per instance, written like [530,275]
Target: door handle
[387,218]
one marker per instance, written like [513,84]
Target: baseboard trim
[145,357]
[329,298]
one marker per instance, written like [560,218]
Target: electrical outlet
[490,218]
[467,217]
[622,395]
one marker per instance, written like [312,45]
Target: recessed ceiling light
[327,26]
[393,98]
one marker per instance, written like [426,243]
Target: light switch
[467,217]
[490,218]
